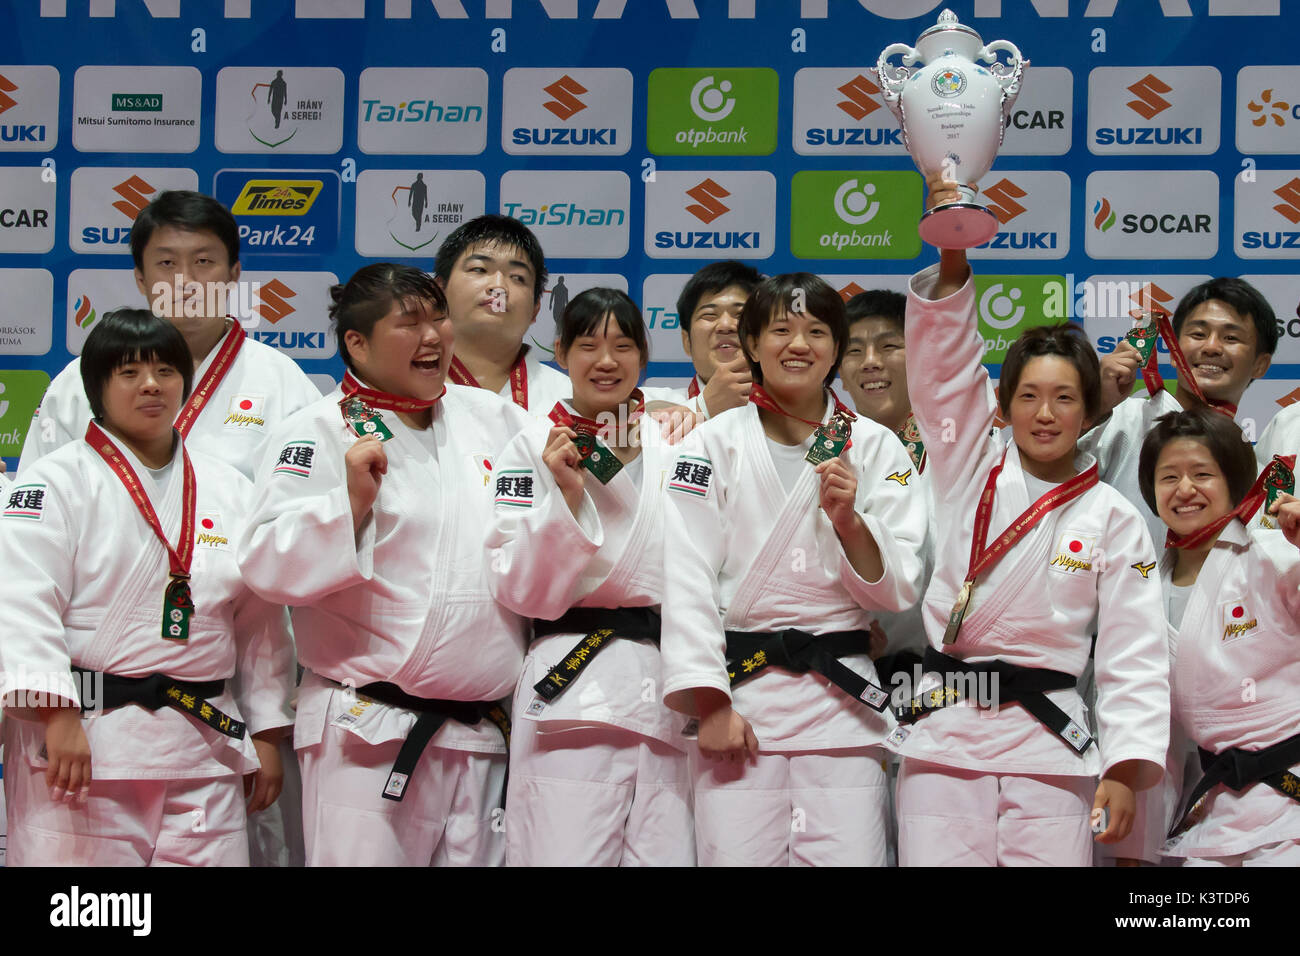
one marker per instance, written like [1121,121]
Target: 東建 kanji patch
[295,459]
[514,487]
[26,501]
[691,475]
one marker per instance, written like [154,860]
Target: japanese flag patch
[26,501]
[246,411]
[1073,552]
[296,459]
[514,488]
[691,475]
[1236,618]
[209,531]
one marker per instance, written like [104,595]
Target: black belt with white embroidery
[159,690]
[433,713]
[601,625]
[1026,686]
[1239,769]
[749,652]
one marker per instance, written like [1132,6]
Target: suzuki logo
[272,306]
[850,290]
[1149,102]
[1149,299]
[7,86]
[711,103]
[1290,195]
[859,92]
[135,193]
[566,103]
[707,194]
[1290,398]
[1002,197]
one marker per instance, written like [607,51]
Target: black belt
[1238,769]
[159,690]
[749,652]
[1026,686]
[601,625]
[433,714]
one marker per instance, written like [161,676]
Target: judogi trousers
[1286,853]
[451,814]
[191,822]
[952,817]
[809,808]
[597,796]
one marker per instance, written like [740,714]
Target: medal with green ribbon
[594,454]
[359,404]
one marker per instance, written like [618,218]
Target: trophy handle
[1008,76]
[892,77]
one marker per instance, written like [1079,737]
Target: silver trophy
[953,113]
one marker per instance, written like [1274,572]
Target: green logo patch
[704,112]
[855,215]
[20,396]
[1007,305]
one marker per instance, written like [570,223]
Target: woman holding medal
[788,522]
[369,522]
[146,687]
[1031,550]
[1233,599]
[598,772]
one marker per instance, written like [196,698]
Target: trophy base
[958,225]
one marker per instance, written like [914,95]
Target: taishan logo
[707,195]
[7,86]
[1002,197]
[273,306]
[1267,110]
[1289,209]
[135,193]
[277,197]
[1149,102]
[859,93]
[565,91]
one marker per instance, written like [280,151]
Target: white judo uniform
[405,600]
[742,553]
[85,576]
[1234,677]
[1281,436]
[598,776]
[979,786]
[262,388]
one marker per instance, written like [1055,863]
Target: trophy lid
[948,23]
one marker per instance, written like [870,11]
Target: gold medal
[958,612]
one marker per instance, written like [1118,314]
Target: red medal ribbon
[518,378]
[1151,371]
[1249,505]
[694,388]
[388,402]
[207,386]
[758,396]
[561,415]
[981,558]
[178,560]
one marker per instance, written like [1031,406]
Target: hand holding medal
[1286,511]
[837,494]
[365,463]
[562,457]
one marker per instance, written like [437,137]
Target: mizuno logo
[1002,197]
[707,206]
[1143,569]
[273,306]
[566,91]
[7,86]
[1149,102]
[900,477]
[135,193]
[859,92]
[1290,196]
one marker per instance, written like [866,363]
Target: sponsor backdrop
[1155,144]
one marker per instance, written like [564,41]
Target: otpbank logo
[1152,214]
[1172,110]
[1033,211]
[1008,305]
[855,215]
[566,112]
[1266,215]
[704,112]
[710,215]
[840,111]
